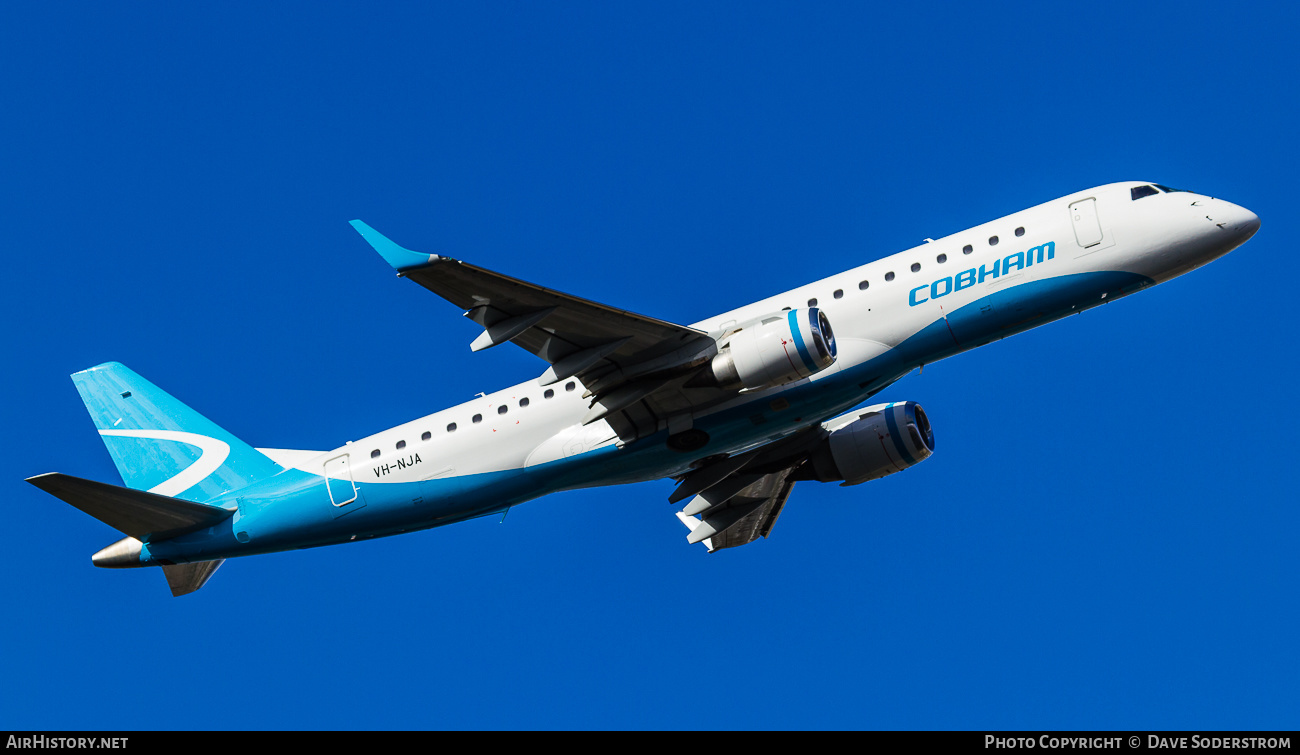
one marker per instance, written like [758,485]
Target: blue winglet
[401,259]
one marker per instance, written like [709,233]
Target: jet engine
[883,439]
[773,350]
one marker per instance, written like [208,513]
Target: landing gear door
[1087,227]
[342,489]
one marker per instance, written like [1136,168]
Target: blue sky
[1104,538]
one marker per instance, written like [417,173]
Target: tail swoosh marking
[212,455]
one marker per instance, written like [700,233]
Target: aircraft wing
[736,500]
[742,518]
[622,358]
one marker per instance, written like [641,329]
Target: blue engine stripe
[793,318]
[899,445]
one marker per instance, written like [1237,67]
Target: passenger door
[1087,226]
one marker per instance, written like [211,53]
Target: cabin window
[549,393]
[889,276]
[523,402]
[451,428]
[477,418]
[941,259]
[502,409]
[863,285]
[401,444]
[916,267]
[812,302]
[1137,192]
[569,386]
[1020,231]
[426,435]
[993,240]
[967,249]
[374,454]
[839,293]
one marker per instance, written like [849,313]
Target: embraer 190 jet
[737,408]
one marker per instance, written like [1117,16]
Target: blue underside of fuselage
[293,509]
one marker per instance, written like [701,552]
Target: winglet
[401,259]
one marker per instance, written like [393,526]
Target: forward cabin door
[1087,227]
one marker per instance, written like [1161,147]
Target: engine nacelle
[774,350]
[884,439]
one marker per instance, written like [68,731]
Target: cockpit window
[1143,191]
[1168,190]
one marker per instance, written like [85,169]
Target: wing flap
[738,499]
[740,518]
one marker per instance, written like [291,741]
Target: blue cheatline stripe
[793,317]
[899,445]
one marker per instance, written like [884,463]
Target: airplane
[736,408]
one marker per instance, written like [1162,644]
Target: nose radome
[1239,221]
[1250,224]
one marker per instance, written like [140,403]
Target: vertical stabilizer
[161,445]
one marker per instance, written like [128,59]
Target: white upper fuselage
[873,308]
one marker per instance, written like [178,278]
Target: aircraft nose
[1238,221]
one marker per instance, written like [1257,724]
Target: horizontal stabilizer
[140,514]
[184,579]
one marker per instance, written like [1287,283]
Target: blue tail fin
[161,445]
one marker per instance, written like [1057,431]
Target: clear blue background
[1104,539]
